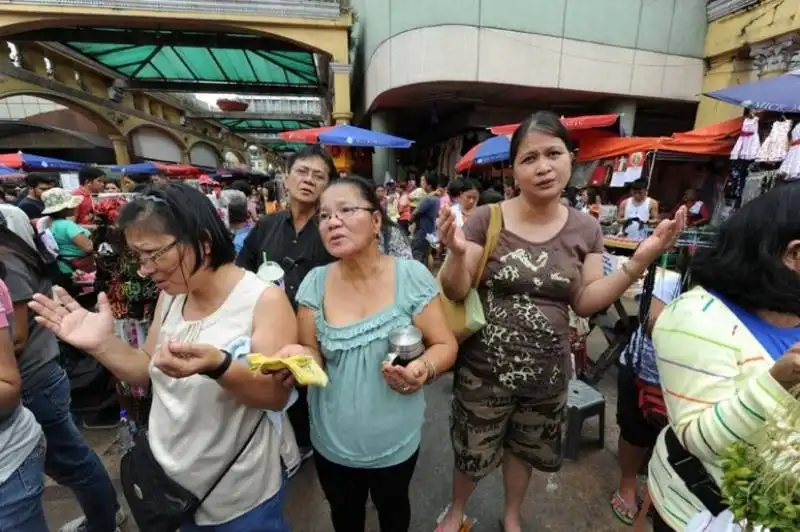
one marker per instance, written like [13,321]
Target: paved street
[580,502]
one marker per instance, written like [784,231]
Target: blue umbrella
[780,94]
[29,162]
[147,168]
[493,150]
[5,170]
[347,136]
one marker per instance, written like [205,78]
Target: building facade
[509,57]
[747,40]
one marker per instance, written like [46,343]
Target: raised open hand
[449,233]
[663,238]
[73,323]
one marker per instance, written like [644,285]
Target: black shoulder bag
[158,503]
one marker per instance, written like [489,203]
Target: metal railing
[716,9]
[323,9]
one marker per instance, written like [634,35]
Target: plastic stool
[583,402]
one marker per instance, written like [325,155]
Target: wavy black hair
[746,264]
[185,213]
[366,189]
[541,122]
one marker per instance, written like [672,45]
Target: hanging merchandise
[748,143]
[756,184]
[791,164]
[776,147]
[735,183]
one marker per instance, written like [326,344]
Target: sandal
[466,522]
[623,511]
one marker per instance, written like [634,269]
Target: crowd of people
[182,297]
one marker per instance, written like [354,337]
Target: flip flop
[626,513]
[466,522]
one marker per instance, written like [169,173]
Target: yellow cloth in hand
[304,368]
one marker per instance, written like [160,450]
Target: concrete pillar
[342,112]
[627,111]
[383,159]
[121,153]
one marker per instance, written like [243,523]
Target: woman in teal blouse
[75,248]
[366,424]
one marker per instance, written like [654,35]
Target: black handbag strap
[691,470]
[235,459]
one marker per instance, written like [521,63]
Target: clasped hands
[180,360]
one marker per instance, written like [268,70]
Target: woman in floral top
[132,298]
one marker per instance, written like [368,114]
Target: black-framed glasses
[343,213]
[152,258]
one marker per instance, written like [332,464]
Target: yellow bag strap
[492,237]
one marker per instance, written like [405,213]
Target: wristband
[215,374]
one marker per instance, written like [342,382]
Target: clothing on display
[791,164]
[735,183]
[757,184]
[776,146]
[748,143]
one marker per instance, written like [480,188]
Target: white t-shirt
[196,427]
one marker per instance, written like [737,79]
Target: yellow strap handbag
[466,317]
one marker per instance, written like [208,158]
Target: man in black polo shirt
[38,183]
[291,238]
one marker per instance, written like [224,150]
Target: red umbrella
[310,136]
[180,170]
[573,123]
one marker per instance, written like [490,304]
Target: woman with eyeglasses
[208,434]
[366,424]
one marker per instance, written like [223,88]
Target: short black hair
[90,173]
[139,179]
[454,188]
[490,196]
[432,180]
[237,212]
[315,150]
[639,184]
[746,263]
[366,190]
[542,122]
[185,213]
[34,179]
[470,184]
[242,186]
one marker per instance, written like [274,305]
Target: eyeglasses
[152,258]
[343,213]
[304,171]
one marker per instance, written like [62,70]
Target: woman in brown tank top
[511,382]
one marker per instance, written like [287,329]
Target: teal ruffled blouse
[357,420]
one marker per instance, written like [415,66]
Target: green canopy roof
[194,61]
[265,126]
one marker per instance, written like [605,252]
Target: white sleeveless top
[642,212]
[196,427]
